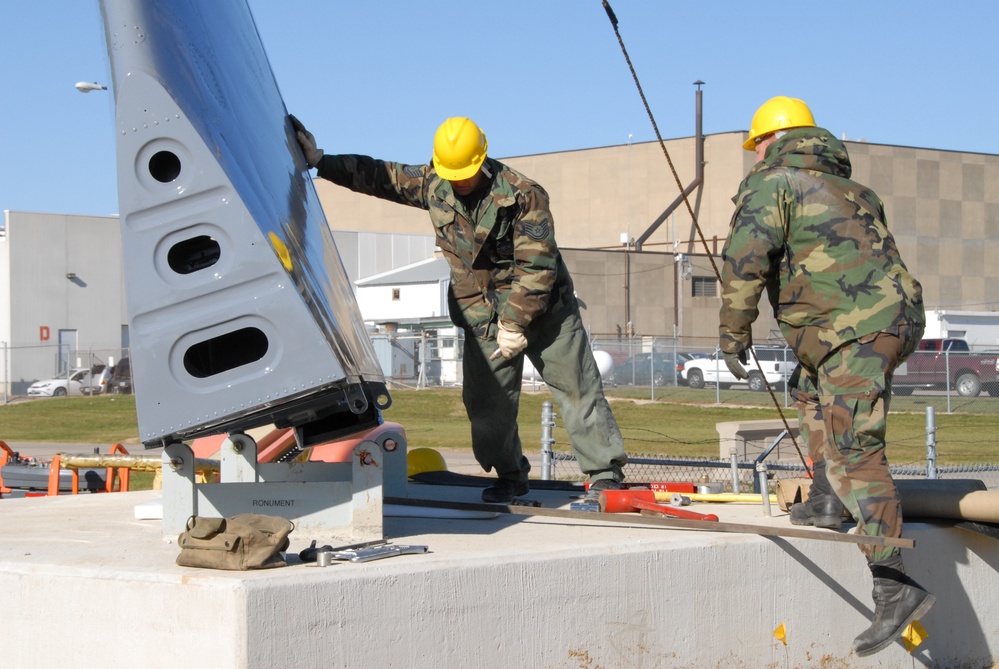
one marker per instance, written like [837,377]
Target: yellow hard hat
[421,460]
[779,113]
[459,149]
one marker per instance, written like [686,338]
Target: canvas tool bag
[792,491]
[241,542]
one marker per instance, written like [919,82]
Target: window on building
[395,294]
[704,286]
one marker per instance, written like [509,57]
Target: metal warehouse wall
[64,274]
[38,252]
[942,207]
[365,254]
[614,287]
[596,194]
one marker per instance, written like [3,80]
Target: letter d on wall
[43,333]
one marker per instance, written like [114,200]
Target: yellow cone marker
[913,635]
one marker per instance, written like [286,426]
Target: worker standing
[510,292]
[851,312]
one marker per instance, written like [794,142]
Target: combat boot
[822,508]
[898,600]
[504,490]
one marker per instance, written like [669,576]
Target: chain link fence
[950,382]
[741,476]
[73,372]
[776,454]
[642,367]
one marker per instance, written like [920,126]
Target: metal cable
[690,210]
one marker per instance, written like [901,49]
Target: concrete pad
[80,577]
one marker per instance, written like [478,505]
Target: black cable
[634,75]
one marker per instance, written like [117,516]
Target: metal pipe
[761,471]
[136,461]
[652,371]
[947,366]
[627,283]
[676,287]
[718,358]
[547,423]
[931,443]
[766,454]
[698,174]
[734,455]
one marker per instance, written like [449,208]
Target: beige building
[942,206]
[62,296]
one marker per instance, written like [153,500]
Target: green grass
[104,419]
[679,423]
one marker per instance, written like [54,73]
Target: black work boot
[504,490]
[898,600]
[822,508]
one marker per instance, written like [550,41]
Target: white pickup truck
[775,365]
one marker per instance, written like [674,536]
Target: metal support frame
[547,423]
[328,501]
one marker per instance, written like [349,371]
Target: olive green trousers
[559,349]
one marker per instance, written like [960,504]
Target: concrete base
[749,438]
[81,578]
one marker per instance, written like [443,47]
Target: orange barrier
[123,472]
[6,455]
[271,446]
[54,469]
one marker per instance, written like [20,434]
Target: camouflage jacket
[819,243]
[504,262]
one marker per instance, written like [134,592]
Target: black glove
[735,362]
[313,154]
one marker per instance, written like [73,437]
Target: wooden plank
[651,518]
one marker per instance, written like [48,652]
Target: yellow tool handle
[749,498]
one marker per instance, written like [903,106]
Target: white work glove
[510,342]
[313,154]
[735,362]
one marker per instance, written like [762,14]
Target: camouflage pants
[842,416]
[559,349]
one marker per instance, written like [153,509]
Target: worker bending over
[510,292]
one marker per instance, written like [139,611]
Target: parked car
[681,381]
[782,357]
[100,380]
[70,383]
[642,369]
[776,363]
[121,378]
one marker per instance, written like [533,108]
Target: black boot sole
[494,496]
[825,522]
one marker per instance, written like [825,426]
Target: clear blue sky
[537,75]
